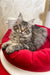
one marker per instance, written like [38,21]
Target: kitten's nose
[22,29]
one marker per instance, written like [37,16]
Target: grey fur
[31,38]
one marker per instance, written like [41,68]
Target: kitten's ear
[20,18]
[31,21]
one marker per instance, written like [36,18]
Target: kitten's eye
[15,27]
[27,31]
[17,30]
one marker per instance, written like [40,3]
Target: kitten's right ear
[20,18]
[31,21]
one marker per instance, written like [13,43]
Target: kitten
[24,35]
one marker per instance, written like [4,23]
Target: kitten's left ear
[31,21]
[20,18]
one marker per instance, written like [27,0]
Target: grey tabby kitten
[24,35]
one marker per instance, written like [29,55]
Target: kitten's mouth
[25,36]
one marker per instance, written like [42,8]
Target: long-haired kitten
[25,35]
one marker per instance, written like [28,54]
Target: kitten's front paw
[4,46]
[9,50]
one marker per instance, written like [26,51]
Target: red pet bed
[37,61]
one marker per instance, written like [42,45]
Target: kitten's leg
[6,44]
[12,48]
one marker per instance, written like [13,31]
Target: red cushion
[37,61]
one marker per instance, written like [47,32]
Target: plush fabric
[37,61]
[0,46]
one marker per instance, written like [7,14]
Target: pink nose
[22,30]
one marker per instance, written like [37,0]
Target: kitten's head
[22,27]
